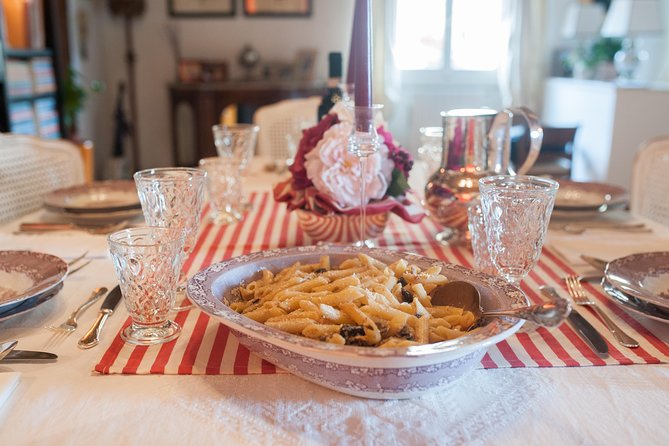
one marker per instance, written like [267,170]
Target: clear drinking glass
[147,261]
[516,211]
[236,142]
[479,238]
[172,197]
[223,188]
[363,142]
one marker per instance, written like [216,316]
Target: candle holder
[363,142]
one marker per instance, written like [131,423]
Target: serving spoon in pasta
[463,294]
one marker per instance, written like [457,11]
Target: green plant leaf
[398,184]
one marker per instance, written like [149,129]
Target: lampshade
[628,18]
[583,19]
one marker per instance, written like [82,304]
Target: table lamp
[629,19]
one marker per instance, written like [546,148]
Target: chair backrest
[650,181]
[281,125]
[30,168]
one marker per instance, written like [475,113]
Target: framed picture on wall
[277,8]
[201,8]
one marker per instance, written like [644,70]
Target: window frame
[432,77]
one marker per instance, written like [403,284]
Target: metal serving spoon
[465,295]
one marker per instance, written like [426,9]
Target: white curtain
[521,73]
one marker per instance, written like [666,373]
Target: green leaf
[398,184]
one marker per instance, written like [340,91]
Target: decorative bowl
[368,372]
[340,228]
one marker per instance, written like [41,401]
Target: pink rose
[336,172]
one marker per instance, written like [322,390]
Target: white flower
[336,172]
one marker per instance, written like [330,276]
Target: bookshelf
[33,40]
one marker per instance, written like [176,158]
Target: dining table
[540,386]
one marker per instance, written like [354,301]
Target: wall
[328,29]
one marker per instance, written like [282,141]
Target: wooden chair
[650,182]
[30,167]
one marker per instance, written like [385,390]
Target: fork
[70,324]
[577,293]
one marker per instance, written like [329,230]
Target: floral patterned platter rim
[583,196]
[644,276]
[97,197]
[634,305]
[27,274]
[361,371]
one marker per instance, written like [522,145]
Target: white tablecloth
[64,403]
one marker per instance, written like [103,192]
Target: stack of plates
[582,200]
[640,283]
[98,203]
[28,279]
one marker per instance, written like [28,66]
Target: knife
[582,326]
[28,355]
[598,264]
[92,336]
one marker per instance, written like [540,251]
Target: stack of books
[22,118]
[43,78]
[19,78]
[46,115]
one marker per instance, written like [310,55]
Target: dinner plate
[97,197]
[31,303]
[97,218]
[27,274]
[644,276]
[371,372]
[634,305]
[588,196]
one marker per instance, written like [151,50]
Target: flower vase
[340,228]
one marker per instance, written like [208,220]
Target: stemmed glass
[238,142]
[223,189]
[364,141]
[172,197]
[516,211]
[147,261]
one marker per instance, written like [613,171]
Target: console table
[191,130]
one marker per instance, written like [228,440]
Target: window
[459,39]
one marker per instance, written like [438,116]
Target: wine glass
[516,211]
[238,142]
[364,141]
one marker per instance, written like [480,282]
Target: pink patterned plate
[97,197]
[362,371]
[26,274]
[584,196]
[644,276]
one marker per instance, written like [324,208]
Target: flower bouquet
[324,187]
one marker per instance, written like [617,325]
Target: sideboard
[194,108]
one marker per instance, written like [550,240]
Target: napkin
[607,245]
[8,382]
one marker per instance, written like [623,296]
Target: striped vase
[338,227]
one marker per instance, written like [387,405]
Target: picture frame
[305,61]
[201,8]
[277,8]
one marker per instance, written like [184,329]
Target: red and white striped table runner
[207,347]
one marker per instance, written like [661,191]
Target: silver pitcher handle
[536,136]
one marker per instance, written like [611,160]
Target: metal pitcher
[476,143]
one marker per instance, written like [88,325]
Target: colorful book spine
[43,77]
[22,118]
[46,115]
